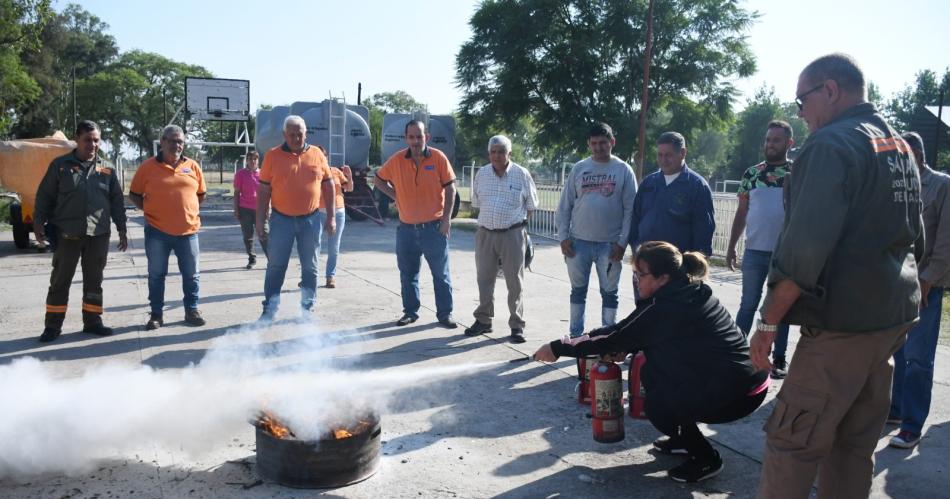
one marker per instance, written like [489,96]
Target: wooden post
[645,95]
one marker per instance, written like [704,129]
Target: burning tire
[342,457]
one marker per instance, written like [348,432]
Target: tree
[126,97]
[20,24]
[395,102]
[748,132]
[567,64]
[74,41]
[925,91]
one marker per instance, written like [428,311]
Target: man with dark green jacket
[79,195]
[845,270]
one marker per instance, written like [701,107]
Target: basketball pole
[221,155]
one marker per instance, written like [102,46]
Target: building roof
[944,117]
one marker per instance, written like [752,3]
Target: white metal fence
[543,221]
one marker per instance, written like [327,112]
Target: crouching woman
[698,368]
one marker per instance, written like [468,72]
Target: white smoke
[65,425]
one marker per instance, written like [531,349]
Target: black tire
[21,232]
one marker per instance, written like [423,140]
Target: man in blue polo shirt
[673,204]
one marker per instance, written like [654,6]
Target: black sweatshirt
[695,352]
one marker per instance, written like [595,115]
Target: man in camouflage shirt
[760,214]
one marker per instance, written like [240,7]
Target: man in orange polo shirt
[421,181]
[294,177]
[168,188]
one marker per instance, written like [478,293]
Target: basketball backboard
[218,99]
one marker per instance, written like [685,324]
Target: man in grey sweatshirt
[593,221]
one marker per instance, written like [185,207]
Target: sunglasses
[800,102]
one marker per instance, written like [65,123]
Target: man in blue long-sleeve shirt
[674,204]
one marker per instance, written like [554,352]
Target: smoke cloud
[50,424]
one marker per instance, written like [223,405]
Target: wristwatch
[766,328]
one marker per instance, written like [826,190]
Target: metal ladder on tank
[336,126]
[360,202]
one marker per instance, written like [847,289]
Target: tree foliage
[127,97]
[73,41]
[21,21]
[394,102]
[925,91]
[748,131]
[567,64]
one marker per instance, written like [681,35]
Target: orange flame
[341,434]
[271,425]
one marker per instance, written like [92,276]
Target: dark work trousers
[671,416]
[248,224]
[92,252]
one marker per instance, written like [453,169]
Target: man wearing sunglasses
[844,269]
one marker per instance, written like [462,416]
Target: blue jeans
[608,274]
[333,248]
[158,247]
[755,269]
[412,243]
[284,230]
[914,367]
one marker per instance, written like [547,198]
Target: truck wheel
[21,232]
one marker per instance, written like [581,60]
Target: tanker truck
[23,163]
[343,131]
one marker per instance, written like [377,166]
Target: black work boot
[92,324]
[53,326]
[193,317]
[154,322]
[50,334]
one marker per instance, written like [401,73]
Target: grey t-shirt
[597,202]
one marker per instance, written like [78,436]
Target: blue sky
[304,50]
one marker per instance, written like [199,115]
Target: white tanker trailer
[323,128]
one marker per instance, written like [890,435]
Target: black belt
[422,225]
[515,226]
[294,216]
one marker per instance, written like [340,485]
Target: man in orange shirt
[294,177]
[421,181]
[168,188]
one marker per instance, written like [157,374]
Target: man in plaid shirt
[505,195]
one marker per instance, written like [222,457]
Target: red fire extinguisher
[606,402]
[638,394]
[584,365]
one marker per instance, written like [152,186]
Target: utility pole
[645,95]
[164,107]
[939,128]
[75,113]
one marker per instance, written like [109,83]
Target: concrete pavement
[506,430]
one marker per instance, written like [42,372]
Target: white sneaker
[905,440]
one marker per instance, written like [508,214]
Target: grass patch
[5,203]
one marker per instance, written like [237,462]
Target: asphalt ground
[458,420]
